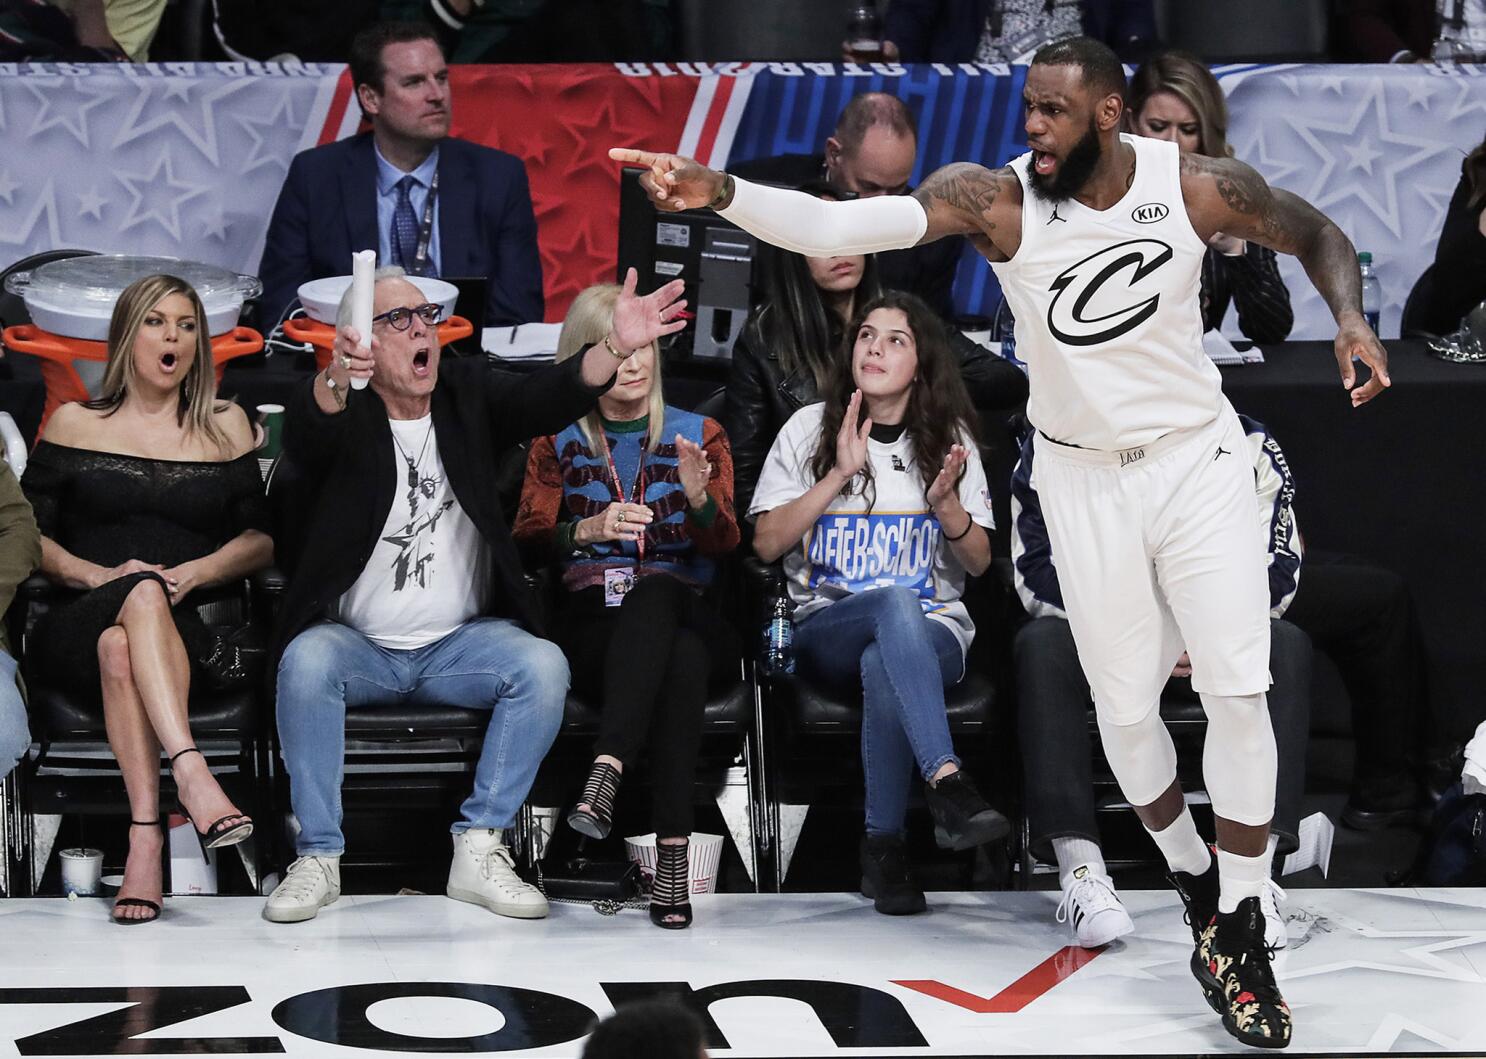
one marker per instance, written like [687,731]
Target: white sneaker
[484,873]
[1276,936]
[1090,902]
[309,885]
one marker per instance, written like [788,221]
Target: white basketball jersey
[1107,313]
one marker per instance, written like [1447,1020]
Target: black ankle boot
[598,794]
[1199,894]
[886,877]
[670,893]
[962,818]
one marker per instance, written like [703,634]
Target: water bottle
[864,33]
[1372,292]
[779,634]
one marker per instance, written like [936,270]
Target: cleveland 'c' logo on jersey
[1077,286]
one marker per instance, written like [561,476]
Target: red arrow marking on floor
[1018,994]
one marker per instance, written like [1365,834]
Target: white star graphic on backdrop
[215,225]
[1332,83]
[1419,91]
[90,204]
[1438,200]
[178,88]
[1468,97]
[1362,155]
[2,113]
[282,117]
[63,107]
[1368,124]
[202,133]
[7,187]
[1275,170]
[44,206]
[164,206]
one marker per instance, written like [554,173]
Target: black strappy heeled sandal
[670,893]
[136,902]
[220,833]
[598,794]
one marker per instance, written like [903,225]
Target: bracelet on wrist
[609,345]
[961,535]
[724,193]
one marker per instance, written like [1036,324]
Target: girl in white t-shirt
[877,502]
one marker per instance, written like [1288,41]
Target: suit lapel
[457,221]
[359,193]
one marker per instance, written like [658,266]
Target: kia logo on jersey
[1081,313]
[1150,213]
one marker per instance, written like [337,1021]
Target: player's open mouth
[420,362]
[1043,162]
[167,363]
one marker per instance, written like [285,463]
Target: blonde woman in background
[147,497]
[634,503]
[1173,96]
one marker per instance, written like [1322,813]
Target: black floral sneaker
[962,818]
[1199,894]
[1237,977]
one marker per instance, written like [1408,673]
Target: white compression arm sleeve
[818,228]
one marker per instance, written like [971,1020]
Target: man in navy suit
[374,190]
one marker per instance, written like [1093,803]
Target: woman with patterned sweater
[635,502]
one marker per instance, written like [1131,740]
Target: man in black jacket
[408,588]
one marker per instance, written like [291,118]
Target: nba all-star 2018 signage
[187,159]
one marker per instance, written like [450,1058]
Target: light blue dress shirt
[387,177]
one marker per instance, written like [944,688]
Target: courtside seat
[728,712]
[970,705]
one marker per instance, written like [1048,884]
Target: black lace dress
[109,508]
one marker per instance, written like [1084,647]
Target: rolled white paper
[363,272]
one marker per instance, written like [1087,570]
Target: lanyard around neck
[637,492]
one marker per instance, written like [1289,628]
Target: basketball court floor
[1377,972]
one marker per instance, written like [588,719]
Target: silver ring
[346,361]
[618,517]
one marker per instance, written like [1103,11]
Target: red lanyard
[638,491]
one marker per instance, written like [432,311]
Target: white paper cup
[702,860]
[82,870]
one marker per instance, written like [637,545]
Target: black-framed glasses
[401,318]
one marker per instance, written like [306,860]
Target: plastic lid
[1364,258]
[90,286]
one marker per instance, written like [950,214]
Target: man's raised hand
[674,183]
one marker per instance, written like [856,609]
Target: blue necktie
[405,226]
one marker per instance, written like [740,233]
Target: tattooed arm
[1225,195]
[968,199]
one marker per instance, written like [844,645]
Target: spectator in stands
[429,203]
[1054,705]
[635,502]
[65,31]
[649,1029]
[872,152]
[884,484]
[1174,96]
[1000,31]
[407,588]
[795,337]
[1456,282]
[1409,31]
[146,496]
[20,553]
[494,31]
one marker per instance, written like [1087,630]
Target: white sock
[1182,846]
[1073,851]
[1240,878]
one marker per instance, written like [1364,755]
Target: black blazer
[328,208]
[345,477]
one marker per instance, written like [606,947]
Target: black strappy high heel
[136,902]
[598,794]
[670,893]
[220,833]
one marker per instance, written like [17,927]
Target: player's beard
[1075,171]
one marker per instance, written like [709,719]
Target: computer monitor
[713,257]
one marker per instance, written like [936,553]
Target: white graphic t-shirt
[429,571]
[899,542]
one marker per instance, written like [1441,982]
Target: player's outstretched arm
[1225,195]
[797,221]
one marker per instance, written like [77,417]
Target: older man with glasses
[405,586]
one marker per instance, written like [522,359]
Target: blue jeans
[902,660]
[487,663]
[15,737]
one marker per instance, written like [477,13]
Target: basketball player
[1097,238]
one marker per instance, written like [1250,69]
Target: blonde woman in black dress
[147,497]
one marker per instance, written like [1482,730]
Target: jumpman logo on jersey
[1221,452]
[1055,216]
